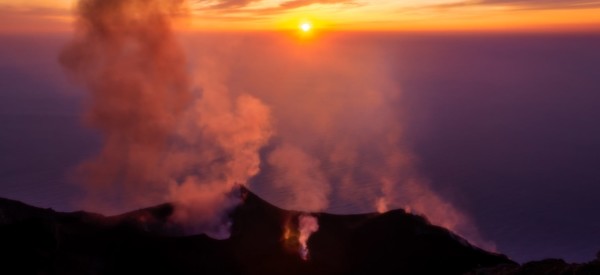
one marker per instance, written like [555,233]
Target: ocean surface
[505,126]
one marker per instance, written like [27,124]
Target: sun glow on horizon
[308,18]
[305,26]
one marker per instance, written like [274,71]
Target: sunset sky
[382,15]
[480,114]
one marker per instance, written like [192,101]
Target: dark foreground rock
[42,241]
[546,267]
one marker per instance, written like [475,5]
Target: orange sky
[387,15]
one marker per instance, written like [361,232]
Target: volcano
[43,241]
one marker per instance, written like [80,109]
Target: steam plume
[307,225]
[163,138]
[125,54]
[300,173]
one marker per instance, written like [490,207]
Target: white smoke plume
[307,225]
[308,186]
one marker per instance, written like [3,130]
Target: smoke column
[163,138]
[307,225]
[125,54]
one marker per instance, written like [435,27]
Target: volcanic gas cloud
[188,122]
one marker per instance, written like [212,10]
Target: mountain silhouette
[42,241]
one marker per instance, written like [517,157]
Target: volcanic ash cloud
[163,139]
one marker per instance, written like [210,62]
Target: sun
[305,26]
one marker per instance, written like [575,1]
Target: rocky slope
[42,241]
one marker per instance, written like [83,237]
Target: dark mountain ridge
[43,241]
